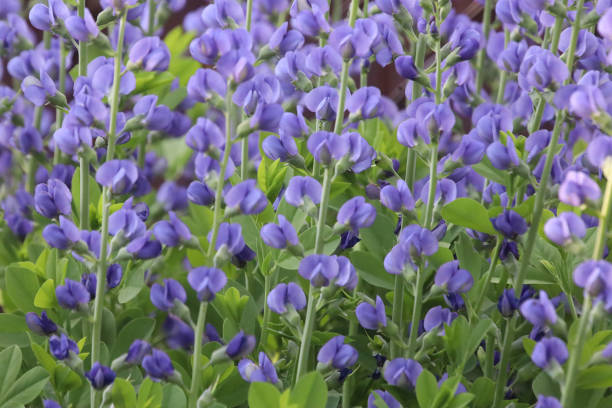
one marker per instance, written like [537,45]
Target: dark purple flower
[371,317]
[337,354]
[262,372]
[240,346]
[547,350]
[502,156]
[89,280]
[301,187]
[52,199]
[158,365]
[405,66]
[577,188]
[327,146]
[279,235]
[437,317]
[178,333]
[319,269]
[565,228]
[206,282]
[285,294]
[402,372]
[199,193]
[61,346]
[246,198]
[453,279]
[72,294]
[323,101]
[164,296]
[137,351]
[397,198]
[547,402]
[118,175]
[150,53]
[51,404]
[507,303]
[173,232]
[510,224]
[540,312]
[40,325]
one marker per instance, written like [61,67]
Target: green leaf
[426,389]
[263,395]
[65,379]
[123,394]
[140,328]
[377,239]
[468,213]
[21,287]
[26,388]
[10,361]
[13,331]
[309,392]
[45,297]
[592,378]
[372,270]
[173,396]
[149,394]
[461,400]
[484,390]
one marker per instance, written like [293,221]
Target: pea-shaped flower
[547,402]
[246,198]
[453,279]
[549,350]
[61,346]
[540,69]
[119,175]
[178,333]
[507,303]
[327,147]
[204,135]
[386,396]
[337,354]
[397,198]
[437,317]
[40,324]
[284,295]
[52,198]
[302,188]
[204,84]
[356,213]
[63,236]
[365,102]
[510,224]
[100,376]
[540,312]
[599,149]
[372,317]
[164,296]
[402,372]
[150,53]
[206,282]
[596,279]
[72,294]
[279,235]
[404,65]
[82,28]
[158,365]
[173,232]
[319,269]
[138,350]
[565,228]
[578,188]
[240,346]
[262,372]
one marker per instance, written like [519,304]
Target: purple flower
[319,269]
[540,68]
[397,198]
[127,222]
[284,40]
[61,346]
[596,279]
[82,29]
[285,294]
[502,156]
[510,58]
[279,235]
[547,350]
[471,150]
[240,346]
[72,294]
[154,117]
[301,188]
[137,351]
[70,140]
[599,150]
[510,224]
[365,102]
[164,296]
[323,101]
[40,325]
[337,354]
[63,236]
[204,84]
[371,317]
[360,153]
[178,333]
[100,376]
[199,193]
[414,243]
[384,395]
[539,312]
[565,228]
[327,146]
[586,101]
[507,303]
[246,198]
[402,372]
[454,279]
[38,90]
[437,317]
[50,404]
[101,70]
[405,66]
[283,147]
[604,25]
[547,402]
[264,372]
[52,199]
[293,125]
[577,188]
[158,365]
[172,233]
[356,213]
[172,196]
[230,238]
[150,53]
[204,135]
[118,175]
[206,282]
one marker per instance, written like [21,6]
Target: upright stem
[416,312]
[244,148]
[196,370]
[488,276]
[503,364]
[504,75]
[83,161]
[106,201]
[266,312]
[197,351]
[486,27]
[142,147]
[59,114]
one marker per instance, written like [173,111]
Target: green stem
[59,114]
[266,312]
[488,276]
[397,314]
[571,51]
[347,387]
[489,356]
[83,161]
[197,351]
[106,201]
[503,364]
[416,312]
[501,89]
[244,149]
[486,27]
[196,370]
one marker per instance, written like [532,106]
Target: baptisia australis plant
[234,212]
